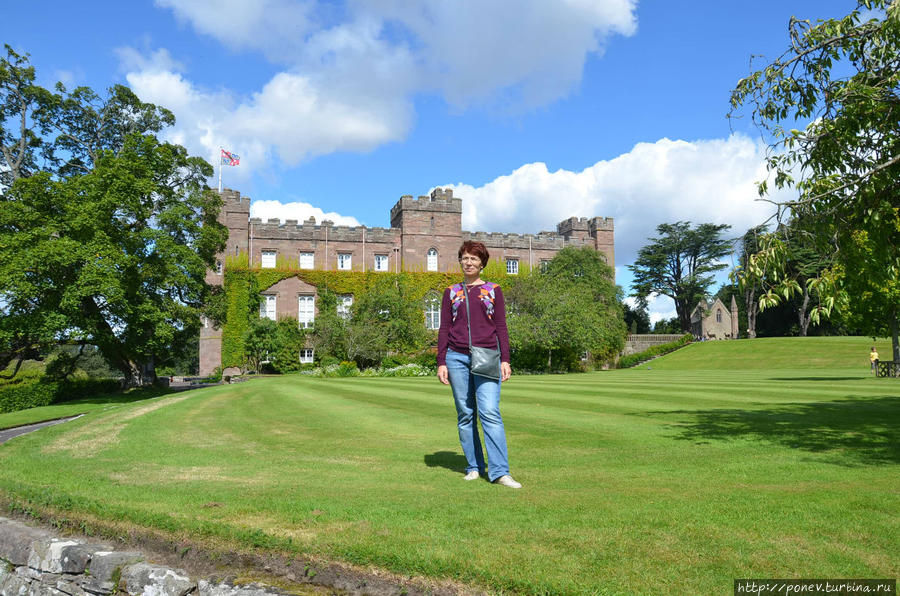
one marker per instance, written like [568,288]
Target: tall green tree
[829,108]
[390,306]
[793,280]
[109,243]
[637,319]
[23,106]
[571,308]
[679,263]
[749,245]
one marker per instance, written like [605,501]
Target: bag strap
[469,318]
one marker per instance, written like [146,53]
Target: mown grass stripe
[634,480]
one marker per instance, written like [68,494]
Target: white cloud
[660,308]
[297,210]
[351,70]
[161,60]
[278,27]
[517,53]
[523,53]
[289,119]
[666,181]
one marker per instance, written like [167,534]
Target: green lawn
[79,406]
[666,478]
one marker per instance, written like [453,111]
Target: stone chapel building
[425,235]
[711,320]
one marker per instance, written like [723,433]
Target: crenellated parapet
[540,241]
[291,229]
[234,201]
[601,223]
[439,201]
[572,225]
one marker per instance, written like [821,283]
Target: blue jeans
[478,396]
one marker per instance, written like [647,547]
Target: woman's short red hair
[477,249]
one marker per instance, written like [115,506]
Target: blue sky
[532,110]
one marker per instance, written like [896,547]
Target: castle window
[545,266]
[268,259]
[307,260]
[306,356]
[218,267]
[718,315]
[267,307]
[432,311]
[512,266]
[344,261]
[431,261]
[381,262]
[306,312]
[345,301]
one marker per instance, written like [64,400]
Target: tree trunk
[549,361]
[804,318]
[752,308]
[684,316]
[895,334]
[110,347]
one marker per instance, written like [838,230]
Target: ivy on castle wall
[244,284]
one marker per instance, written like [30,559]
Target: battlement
[573,224]
[579,226]
[234,201]
[440,199]
[309,230]
[540,241]
[602,223]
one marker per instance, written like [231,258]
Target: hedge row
[653,351]
[35,393]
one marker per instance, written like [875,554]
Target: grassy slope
[636,481]
[813,353]
[80,406]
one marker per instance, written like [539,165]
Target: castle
[425,235]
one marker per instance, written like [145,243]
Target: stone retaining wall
[34,563]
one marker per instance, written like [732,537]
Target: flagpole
[220,170]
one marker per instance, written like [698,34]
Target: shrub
[405,370]
[21,396]
[394,360]
[653,351]
[327,361]
[347,369]
[32,393]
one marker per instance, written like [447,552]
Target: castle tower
[235,215]
[597,232]
[428,225]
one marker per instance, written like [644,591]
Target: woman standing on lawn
[474,395]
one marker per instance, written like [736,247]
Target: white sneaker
[473,475]
[507,480]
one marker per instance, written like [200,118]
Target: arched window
[432,311]
[431,261]
[718,315]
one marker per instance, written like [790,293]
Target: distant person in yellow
[873,359]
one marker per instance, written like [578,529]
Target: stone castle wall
[417,225]
[428,223]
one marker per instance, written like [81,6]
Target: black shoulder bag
[484,362]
